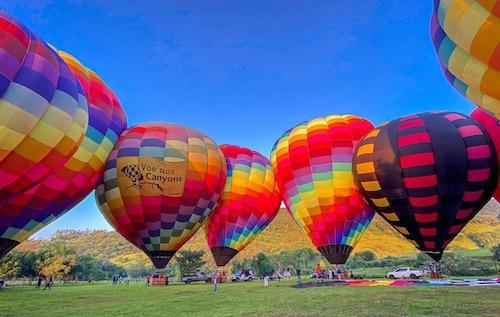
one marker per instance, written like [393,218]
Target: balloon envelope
[159,185]
[465,34]
[492,127]
[427,174]
[43,118]
[312,163]
[36,207]
[249,202]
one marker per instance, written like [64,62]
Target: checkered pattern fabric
[466,37]
[427,175]
[312,164]
[43,119]
[160,224]
[249,202]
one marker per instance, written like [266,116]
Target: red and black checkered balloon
[427,174]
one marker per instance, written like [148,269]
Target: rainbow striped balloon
[160,183]
[312,164]
[43,118]
[36,207]
[466,37]
[249,202]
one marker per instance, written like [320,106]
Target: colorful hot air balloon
[31,210]
[312,164]
[160,183]
[249,202]
[466,37]
[492,127]
[427,174]
[43,118]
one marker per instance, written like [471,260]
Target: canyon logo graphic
[151,176]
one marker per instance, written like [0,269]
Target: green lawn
[249,299]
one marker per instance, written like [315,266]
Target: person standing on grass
[288,274]
[266,279]
[48,282]
[214,280]
[318,272]
[330,273]
[297,272]
[39,281]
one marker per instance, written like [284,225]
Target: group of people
[47,279]
[331,273]
[118,279]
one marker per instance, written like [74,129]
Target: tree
[496,255]
[189,261]
[366,255]
[263,265]
[58,260]
[9,266]
[241,264]
[422,259]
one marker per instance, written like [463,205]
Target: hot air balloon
[249,202]
[312,164]
[159,185]
[34,208]
[465,34]
[43,118]
[427,175]
[492,127]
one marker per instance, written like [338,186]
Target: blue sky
[245,71]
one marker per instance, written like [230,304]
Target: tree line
[64,263]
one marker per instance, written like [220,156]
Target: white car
[240,275]
[405,272]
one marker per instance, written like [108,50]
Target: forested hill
[282,235]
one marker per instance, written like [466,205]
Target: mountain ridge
[283,234]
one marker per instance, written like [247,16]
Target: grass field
[249,299]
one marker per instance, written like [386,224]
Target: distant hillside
[282,235]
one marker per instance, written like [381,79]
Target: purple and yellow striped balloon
[36,207]
[43,117]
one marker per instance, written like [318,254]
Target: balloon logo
[465,37]
[159,185]
[427,175]
[492,127]
[43,118]
[249,202]
[312,163]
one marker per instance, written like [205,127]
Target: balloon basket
[159,278]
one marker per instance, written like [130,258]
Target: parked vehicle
[405,272]
[195,277]
[242,275]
